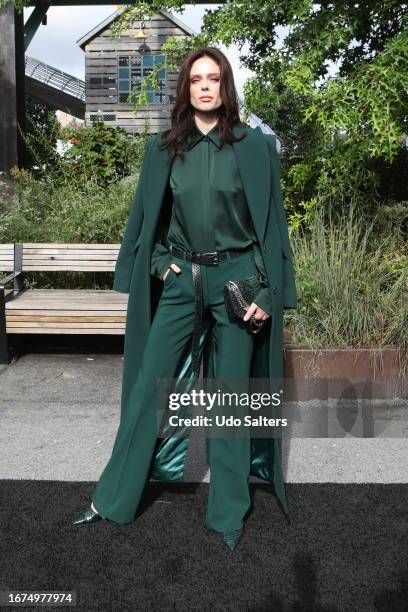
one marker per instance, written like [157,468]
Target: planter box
[349,373]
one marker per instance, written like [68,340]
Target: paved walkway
[60,412]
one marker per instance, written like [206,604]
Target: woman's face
[205,81]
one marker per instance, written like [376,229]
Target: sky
[55,43]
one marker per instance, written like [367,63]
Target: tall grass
[71,210]
[352,286]
[67,199]
[64,209]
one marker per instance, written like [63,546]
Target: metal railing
[54,77]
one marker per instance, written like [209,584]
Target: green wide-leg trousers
[119,489]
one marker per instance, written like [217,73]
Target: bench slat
[69,253]
[6,258]
[87,301]
[70,331]
[66,319]
[61,299]
[69,256]
[74,292]
[94,267]
[74,295]
[68,245]
[73,325]
[105,298]
[13,313]
[51,311]
[79,266]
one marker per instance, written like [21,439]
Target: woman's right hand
[174,267]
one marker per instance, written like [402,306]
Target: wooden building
[115,66]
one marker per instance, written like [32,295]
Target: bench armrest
[4,281]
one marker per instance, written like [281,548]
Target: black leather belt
[211,258]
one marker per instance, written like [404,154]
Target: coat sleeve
[289,283]
[160,259]
[263,299]
[126,255]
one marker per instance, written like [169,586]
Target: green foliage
[69,199]
[352,286]
[18,4]
[66,209]
[40,120]
[342,135]
[104,152]
[72,210]
[99,153]
[81,196]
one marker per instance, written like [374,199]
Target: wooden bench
[57,311]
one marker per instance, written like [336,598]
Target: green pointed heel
[232,538]
[87,516]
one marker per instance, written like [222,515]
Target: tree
[335,90]
[41,136]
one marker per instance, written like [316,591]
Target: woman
[207,209]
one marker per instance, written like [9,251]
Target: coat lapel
[254,167]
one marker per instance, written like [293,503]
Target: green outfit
[119,489]
[147,330]
[210,211]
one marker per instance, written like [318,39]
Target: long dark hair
[182,116]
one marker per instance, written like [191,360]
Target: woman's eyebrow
[210,74]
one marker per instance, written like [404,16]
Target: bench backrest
[44,256]
[6,257]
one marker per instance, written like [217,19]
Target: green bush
[102,153]
[352,285]
[66,210]
[74,210]
[81,196]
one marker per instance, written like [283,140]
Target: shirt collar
[196,135]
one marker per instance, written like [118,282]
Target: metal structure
[54,87]
[54,77]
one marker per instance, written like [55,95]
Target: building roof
[106,22]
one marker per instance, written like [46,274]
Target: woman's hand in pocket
[174,267]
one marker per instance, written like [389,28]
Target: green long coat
[258,165]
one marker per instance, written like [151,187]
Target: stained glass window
[132,69]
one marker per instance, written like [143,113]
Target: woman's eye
[216,79]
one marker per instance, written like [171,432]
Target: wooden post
[12,87]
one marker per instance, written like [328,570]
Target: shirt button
[264,249]
[275,290]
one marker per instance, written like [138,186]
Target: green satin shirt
[210,210]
